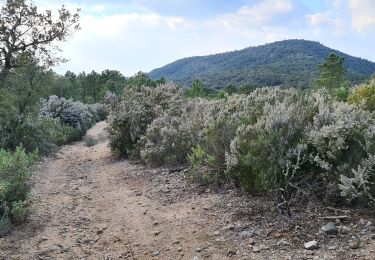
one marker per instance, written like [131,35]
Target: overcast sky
[134,35]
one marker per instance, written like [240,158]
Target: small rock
[311,245]
[344,229]
[195,258]
[198,249]
[230,227]
[231,252]
[309,252]
[217,233]
[155,253]
[369,224]
[354,244]
[283,242]
[332,248]
[330,228]
[179,249]
[256,249]
[155,223]
[251,241]
[246,234]
[156,233]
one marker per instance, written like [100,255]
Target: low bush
[286,142]
[99,111]
[364,96]
[14,188]
[70,113]
[90,141]
[133,113]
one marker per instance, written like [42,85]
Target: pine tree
[332,73]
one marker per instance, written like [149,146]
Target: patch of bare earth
[94,207]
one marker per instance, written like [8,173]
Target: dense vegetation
[287,142]
[290,63]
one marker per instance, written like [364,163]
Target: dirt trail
[93,207]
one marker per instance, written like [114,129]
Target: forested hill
[288,63]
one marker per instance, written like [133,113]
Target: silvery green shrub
[342,137]
[283,141]
[221,129]
[99,111]
[134,111]
[268,154]
[69,112]
[170,137]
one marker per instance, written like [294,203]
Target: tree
[93,84]
[196,90]
[24,30]
[332,73]
[231,89]
[74,91]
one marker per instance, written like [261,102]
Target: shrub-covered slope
[289,62]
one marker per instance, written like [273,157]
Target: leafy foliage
[26,32]
[14,190]
[131,115]
[74,114]
[364,96]
[284,141]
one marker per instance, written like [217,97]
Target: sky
[141,35]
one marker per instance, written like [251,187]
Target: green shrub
[264,156]
[170,137]
[20,211]
[5,225]
[70,113]
[134,112]
[99,111]
[14,189]
[32,130]
[39,133]
[90,141]
[364,95]
[71,134]
[202,166]
[282,141]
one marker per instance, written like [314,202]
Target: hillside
[289,63]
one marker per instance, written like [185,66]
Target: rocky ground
[91,206]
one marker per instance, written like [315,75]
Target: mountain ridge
[289,62]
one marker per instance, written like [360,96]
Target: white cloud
[336,3]
[114,25]
[326,20]
[262,14]
[98,8]
[363,15]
